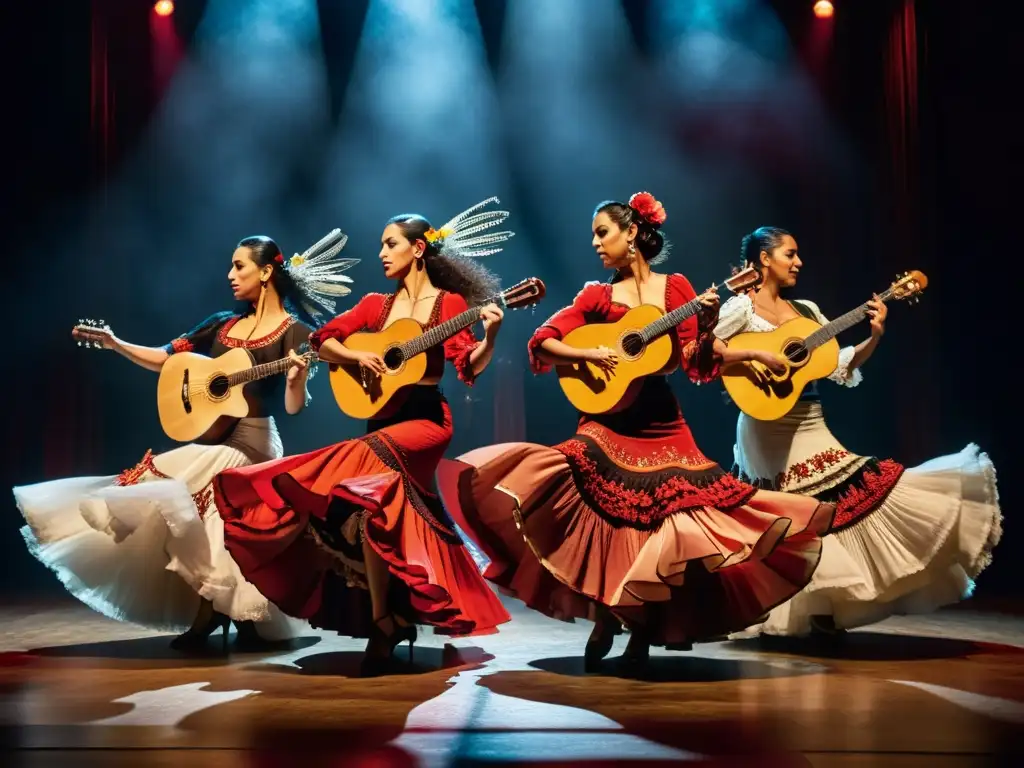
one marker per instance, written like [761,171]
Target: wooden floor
[943,690]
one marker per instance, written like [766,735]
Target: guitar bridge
[186,402]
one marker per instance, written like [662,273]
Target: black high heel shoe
[599,644]
[195,637]
[638,650]
[378,659]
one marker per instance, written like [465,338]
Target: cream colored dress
[904,540]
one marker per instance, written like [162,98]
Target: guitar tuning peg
[81,321]
[103,323]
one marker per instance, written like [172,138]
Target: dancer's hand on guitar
[769,360]
[710,298]
[299,365]
[371,363]
[491,315]
[604,358]
[877,312]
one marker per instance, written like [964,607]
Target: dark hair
[265,252]
[761,239]
[446,269]
[649,239]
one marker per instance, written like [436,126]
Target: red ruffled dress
[629,513]
[294,526]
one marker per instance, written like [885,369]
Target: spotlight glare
[164,8]
[823,9]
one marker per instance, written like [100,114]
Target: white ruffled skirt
[920,548]
[145,545]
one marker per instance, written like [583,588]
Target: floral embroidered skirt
[296,527]
[143,546]
[904,540]
[630,514]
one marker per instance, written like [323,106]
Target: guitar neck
[670,320]
[440,333]
[841,323]
[259,372]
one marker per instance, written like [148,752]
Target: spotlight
[823,9]
[164,8]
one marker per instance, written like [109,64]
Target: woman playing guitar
[627,520]
[320,532]
[146,546]
[903,540]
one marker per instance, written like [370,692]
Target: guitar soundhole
[394,359]
[218,386]
[632,345]
[795,352]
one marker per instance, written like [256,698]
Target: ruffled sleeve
[459,347]
[734,317]
[842,374]
[696,338]
[591,305]
[361,317]
[200,339]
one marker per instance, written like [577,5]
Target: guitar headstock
[92,334]
[525,293]
[909,285]
[743,280]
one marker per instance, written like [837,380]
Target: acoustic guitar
[200,399]
[809,350]
[402,346]
[640,338]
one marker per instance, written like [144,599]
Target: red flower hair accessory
[650,209]
[279,258]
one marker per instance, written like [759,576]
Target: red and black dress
[294,526]
[629,513]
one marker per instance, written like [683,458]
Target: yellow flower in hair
[297,261]
[436,235]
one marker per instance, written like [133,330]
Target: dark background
[880,155]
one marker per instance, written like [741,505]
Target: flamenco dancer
[627,521]
[321,532]
[904,540]
[146,546]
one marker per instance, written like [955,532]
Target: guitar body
[193,399]
[382,395]
[767,396]
[594,391]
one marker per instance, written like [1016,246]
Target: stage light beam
[823,9]
[164,8]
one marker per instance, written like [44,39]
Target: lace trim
[181,345]
[203,498]
[864,492]
[133,475]
[262,341]
[644,499]
[427,505]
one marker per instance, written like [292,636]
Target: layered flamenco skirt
[904,540]
[145,545]
[630,514]
[295,527]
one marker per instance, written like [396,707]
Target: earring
[632,248]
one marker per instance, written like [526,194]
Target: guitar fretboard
[670,320]
[260,371]
[841,323]
[443,331]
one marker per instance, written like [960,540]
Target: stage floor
[942,690]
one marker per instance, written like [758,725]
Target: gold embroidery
[262,341]
[662,458]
